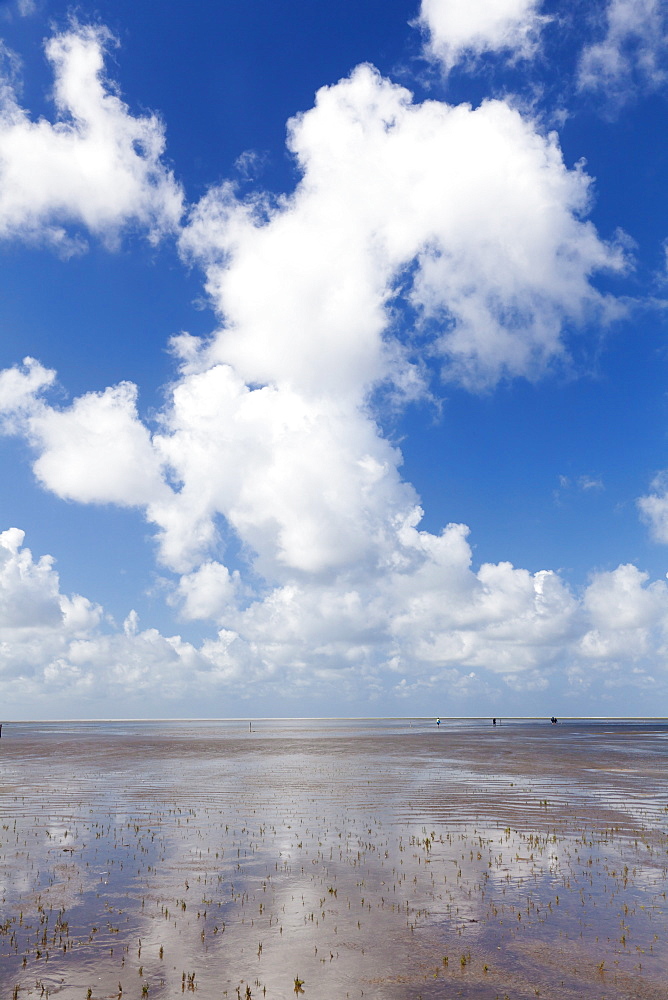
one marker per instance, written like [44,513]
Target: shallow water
[382,858]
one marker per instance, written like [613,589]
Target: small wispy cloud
[572,485]
[631,55]
[251,163]
[654,507]
[590,483]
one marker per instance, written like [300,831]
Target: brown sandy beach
[381,859]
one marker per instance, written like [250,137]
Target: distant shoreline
[343,718]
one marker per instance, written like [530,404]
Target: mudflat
[334,858]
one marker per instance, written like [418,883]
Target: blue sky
[347,328]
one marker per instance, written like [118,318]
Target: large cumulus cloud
[467,217]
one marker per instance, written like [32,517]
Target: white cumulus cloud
[654,507]
[477,201]
[470,216]
[460,30]
[94,451]
[628,616]
[55,646]
[19,387]
[97,450]
[96,165]
[431,624]
[36,621]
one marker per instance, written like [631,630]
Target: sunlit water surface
[342,858]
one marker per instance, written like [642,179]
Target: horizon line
[332,718]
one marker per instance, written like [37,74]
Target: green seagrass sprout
[299,983]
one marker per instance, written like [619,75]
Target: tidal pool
[334,858]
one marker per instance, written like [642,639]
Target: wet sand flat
[379,858]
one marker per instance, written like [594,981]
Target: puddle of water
[376,857]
